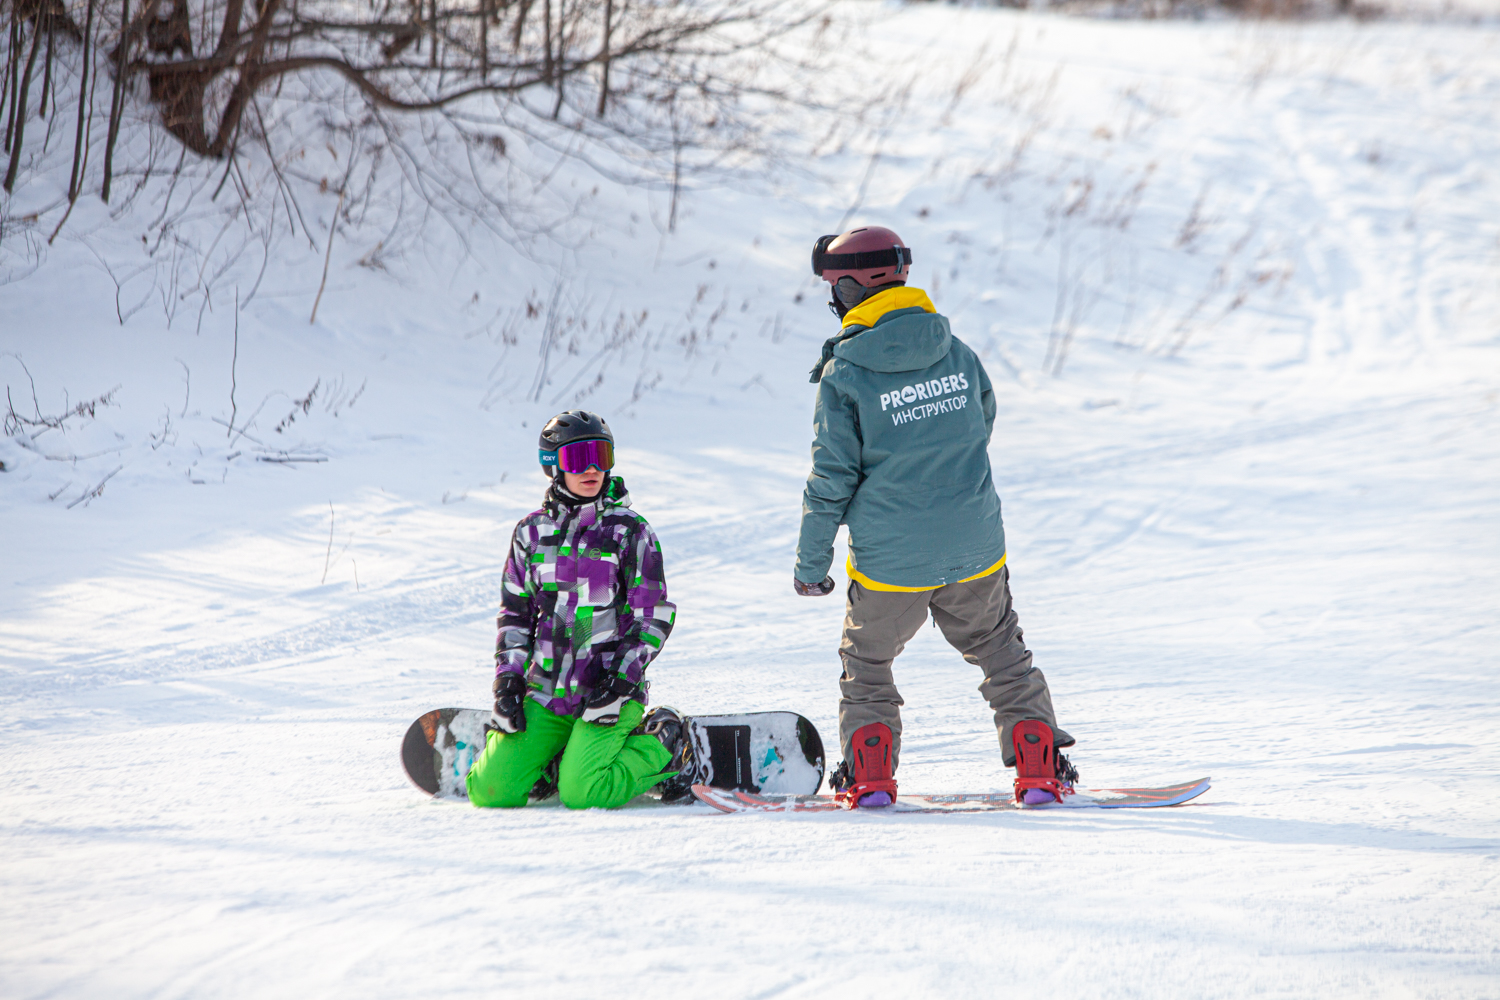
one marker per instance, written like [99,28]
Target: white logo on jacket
[934,389]
[922,410]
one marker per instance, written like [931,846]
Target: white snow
[1239,290]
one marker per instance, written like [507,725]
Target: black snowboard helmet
[567,427]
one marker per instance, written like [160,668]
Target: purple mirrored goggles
[580,456]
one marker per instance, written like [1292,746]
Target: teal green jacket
[901,427]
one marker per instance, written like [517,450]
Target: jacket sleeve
[986,400]
[647,616]
[517,619]
[836,473]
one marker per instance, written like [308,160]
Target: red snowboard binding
[867,780]
[1040,772]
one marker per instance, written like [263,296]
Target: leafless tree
[205,61]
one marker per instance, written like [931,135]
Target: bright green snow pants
[601,766]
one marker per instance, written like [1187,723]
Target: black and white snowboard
[763,753]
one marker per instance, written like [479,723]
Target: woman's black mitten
[510,699]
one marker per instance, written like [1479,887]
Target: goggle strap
[896,257]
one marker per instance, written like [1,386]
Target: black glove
[604,702]
[510,697]
[813,589]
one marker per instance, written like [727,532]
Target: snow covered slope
[1238,288]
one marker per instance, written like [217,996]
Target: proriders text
[934,389]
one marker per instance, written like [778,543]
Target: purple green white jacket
[585,596]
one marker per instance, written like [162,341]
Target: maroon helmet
[871,255]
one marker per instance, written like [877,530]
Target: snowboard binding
[1042,774]
[867,781]
[669,726]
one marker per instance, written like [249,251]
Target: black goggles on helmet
[893,257]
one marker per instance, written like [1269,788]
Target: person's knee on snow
[493,785]
[507,770]
[607,764]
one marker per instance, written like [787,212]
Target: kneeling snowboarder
[902,424]
[584,611]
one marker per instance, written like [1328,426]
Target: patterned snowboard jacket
[585,596]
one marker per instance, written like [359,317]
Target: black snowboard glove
[510,699]
[813,589]
[604,702]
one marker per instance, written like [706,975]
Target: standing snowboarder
[902,424]
[583,612]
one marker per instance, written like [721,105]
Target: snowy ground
[1239,289]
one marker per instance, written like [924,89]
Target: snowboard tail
[769,753]
[440,747]
[738,801]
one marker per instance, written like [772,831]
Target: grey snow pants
[977,619]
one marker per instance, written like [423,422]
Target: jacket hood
[904,333]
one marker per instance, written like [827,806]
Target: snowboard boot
[672,730]
[868,781]
[1042,774]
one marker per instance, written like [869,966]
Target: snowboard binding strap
[853,796]
[1036,761]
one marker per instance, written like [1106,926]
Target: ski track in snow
[1271,556]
